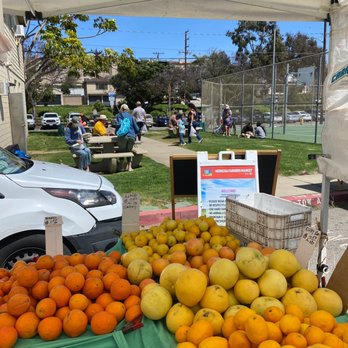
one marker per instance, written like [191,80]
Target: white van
[32,190]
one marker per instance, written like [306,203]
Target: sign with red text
[220,178]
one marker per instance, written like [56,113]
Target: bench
[112,161]
[96,149]
[138,156]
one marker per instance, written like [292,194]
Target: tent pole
[324,218]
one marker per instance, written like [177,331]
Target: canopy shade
[252,10]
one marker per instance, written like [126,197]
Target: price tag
[308,242]
[53,235]
[130,212]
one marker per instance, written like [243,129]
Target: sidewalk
[304,189]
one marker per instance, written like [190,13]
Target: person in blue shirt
[260,131]
[126,142]
[181,128]
[73,137]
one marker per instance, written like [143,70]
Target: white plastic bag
[193,132]
[143,129]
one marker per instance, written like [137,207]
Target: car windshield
[10,163]
[50,115]
[29,117]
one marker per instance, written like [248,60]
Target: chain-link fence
[282,96]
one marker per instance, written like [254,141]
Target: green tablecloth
[153,334]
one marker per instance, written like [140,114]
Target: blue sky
[165,37]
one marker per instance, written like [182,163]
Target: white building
[13,129]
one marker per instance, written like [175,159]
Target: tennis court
[296,132]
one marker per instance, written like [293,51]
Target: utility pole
[157,54]
[185,64]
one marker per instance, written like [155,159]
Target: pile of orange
[65,294]
[274,329]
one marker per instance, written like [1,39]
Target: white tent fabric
[278,10]
[335,132]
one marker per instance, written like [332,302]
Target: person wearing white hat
[100,127]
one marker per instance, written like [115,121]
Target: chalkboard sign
[183,173]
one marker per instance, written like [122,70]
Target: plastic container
[267,220]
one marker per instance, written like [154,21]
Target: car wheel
[27,249]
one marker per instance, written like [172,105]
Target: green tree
[254,41]
[53,48]
[135,81]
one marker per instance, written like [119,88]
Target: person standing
[127,141]
[181,128]
[139,115]
[193,122]
[226,120]
[73,137]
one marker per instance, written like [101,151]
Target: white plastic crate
[268,220]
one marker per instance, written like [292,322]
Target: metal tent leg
[324,218]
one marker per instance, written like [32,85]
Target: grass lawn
[152,180]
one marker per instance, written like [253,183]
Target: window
[101,85]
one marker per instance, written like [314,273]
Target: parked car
[162,121]
[149,120]
[278,118]
[304,115]
[50,120]
[292,117]
[71,115]
[31,121]
[30,190]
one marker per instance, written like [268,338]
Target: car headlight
[86,198]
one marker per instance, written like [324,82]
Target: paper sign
[130,215]
[218,179]
[53,235]
[308,242]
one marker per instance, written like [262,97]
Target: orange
[58,280]
[116,255]
[8,336]
[66,270]
[325,320]
[158,265]
[239,339]
[27,324]
[104,299]
[17,290]
[241,317]
[92,309]
[40,290]
[118,269]
[18,304]
[74,281]
[93,287]
[332,341]
[62,312]
[273,314]
[95,273]
[274,333]
[208,253]
[61,295]
[178,256]
[76,258]
[294,309]
[27,276]
[135,290]
[105,263]
[269,344]
[227,253]
[44,274]
[75,323]
[82,268]
[145,282]
[200,330]
[181,334]
[313,335]
[102,323]
[92,260]
[120,289]
[133,312]
[228,327]
[118,309]
[131,301]
[289,323]
[196,261]
[108,279]
[7,320]
[295,339]
[78,301]
[50,328]
[45,308]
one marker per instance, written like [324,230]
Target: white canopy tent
[334,162]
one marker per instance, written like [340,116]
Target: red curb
[155,217]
